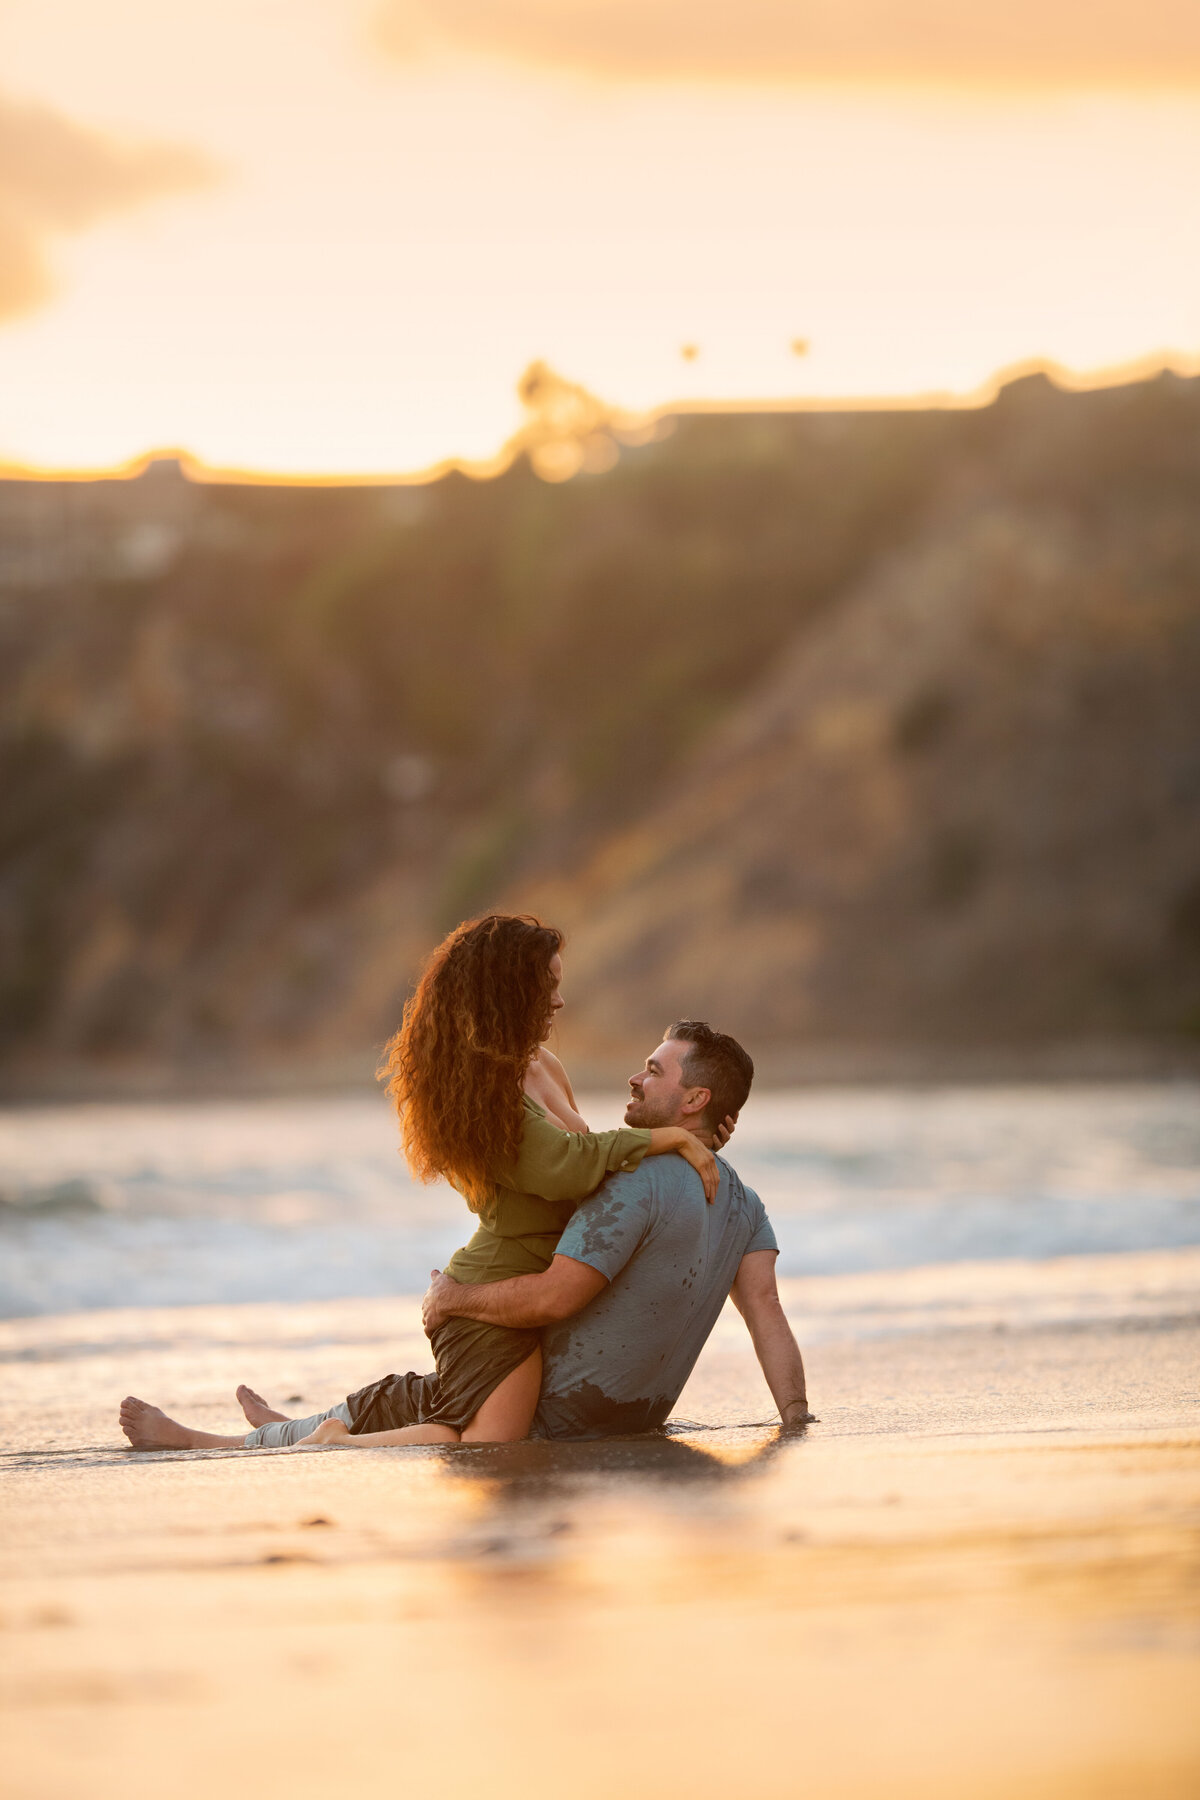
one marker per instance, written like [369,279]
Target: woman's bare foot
[148,1428]
[329,1431]
[255,1407]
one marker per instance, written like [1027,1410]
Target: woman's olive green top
[523,1217]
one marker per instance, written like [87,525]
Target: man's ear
[697,1100]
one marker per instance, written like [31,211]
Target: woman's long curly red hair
[456,1067]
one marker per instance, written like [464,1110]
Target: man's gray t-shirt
[670,1258]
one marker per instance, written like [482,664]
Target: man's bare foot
[329,1431]
[255,1407]
[148,1428]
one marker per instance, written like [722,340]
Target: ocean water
[170,1204]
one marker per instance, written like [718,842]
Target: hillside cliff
[963,807]
[849,730]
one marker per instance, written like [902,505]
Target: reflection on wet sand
[534,1470]
[557,1505]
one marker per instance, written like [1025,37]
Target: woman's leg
[507,1413]
[333,1431]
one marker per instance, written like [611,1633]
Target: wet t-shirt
[671,1259]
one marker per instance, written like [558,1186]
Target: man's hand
[437,1306]
[522,1302]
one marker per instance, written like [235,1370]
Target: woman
[484,1106]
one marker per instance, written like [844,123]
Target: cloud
[58,177]
[1059,43]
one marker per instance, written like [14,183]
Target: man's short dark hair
[715,1061]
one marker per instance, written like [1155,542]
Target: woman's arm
[546,1082]
[665,1138]
[567,1165]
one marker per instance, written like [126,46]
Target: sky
[325,237]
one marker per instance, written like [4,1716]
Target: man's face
[657,1091]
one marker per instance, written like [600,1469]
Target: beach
[976,1575]
[520,524]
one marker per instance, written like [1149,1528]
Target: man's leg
[257,1410]
[148,1428]
[277,1433]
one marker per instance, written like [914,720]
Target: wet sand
[975,1578]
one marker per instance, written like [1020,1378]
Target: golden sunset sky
[326,236]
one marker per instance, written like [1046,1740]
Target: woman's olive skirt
[472,1361]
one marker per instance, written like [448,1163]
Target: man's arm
[523,1301]
[756,1297]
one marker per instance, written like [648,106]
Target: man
[645,1263]
[644,1266]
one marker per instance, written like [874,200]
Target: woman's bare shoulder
[546,1082]
[541,1082]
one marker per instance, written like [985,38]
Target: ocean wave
[183,1205]
[77,1194]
